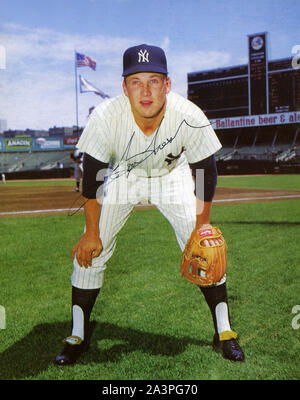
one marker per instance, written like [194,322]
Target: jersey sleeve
[94,138]
[202,140]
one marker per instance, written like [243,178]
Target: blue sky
[40,36]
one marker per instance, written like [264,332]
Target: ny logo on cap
[143,56]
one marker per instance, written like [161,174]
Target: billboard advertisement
[18,143]
[256,120]
[47,143]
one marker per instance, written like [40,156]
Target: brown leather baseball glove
[204,259]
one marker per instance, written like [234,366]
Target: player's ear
[125,87]
[168,84]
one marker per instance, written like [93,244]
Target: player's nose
[145,90]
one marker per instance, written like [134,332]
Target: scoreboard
[284,90]
[247,89]
[223,92]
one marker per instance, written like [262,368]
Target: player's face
[147,94]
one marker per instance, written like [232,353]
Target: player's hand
[87,247]
[208,242]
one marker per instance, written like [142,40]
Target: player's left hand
[208,242]
[204,258]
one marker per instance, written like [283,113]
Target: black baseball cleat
[229,348]
[71,351]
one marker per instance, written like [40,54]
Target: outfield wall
[40,174]
[242,167]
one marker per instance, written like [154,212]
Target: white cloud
[165,43]
[181,63]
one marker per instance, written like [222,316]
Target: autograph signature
[152,149]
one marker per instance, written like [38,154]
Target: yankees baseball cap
[144,58]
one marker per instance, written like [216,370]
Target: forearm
[203,209]
[205,197]
[92,215]
[89,245]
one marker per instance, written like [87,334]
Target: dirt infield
[46,200]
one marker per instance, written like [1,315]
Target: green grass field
[282,182]
[270,182]
[149,323]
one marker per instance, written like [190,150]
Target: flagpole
[76,92]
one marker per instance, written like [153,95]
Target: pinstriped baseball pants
[172,194]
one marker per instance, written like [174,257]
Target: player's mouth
[146,103]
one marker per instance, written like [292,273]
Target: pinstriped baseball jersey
[112,132]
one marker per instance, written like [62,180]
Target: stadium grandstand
[13,162]
[33,156]
[254,109]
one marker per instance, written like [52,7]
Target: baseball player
[143,145]
[76,156]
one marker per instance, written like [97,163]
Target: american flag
[85,61]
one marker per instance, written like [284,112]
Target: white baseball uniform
[153,168]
